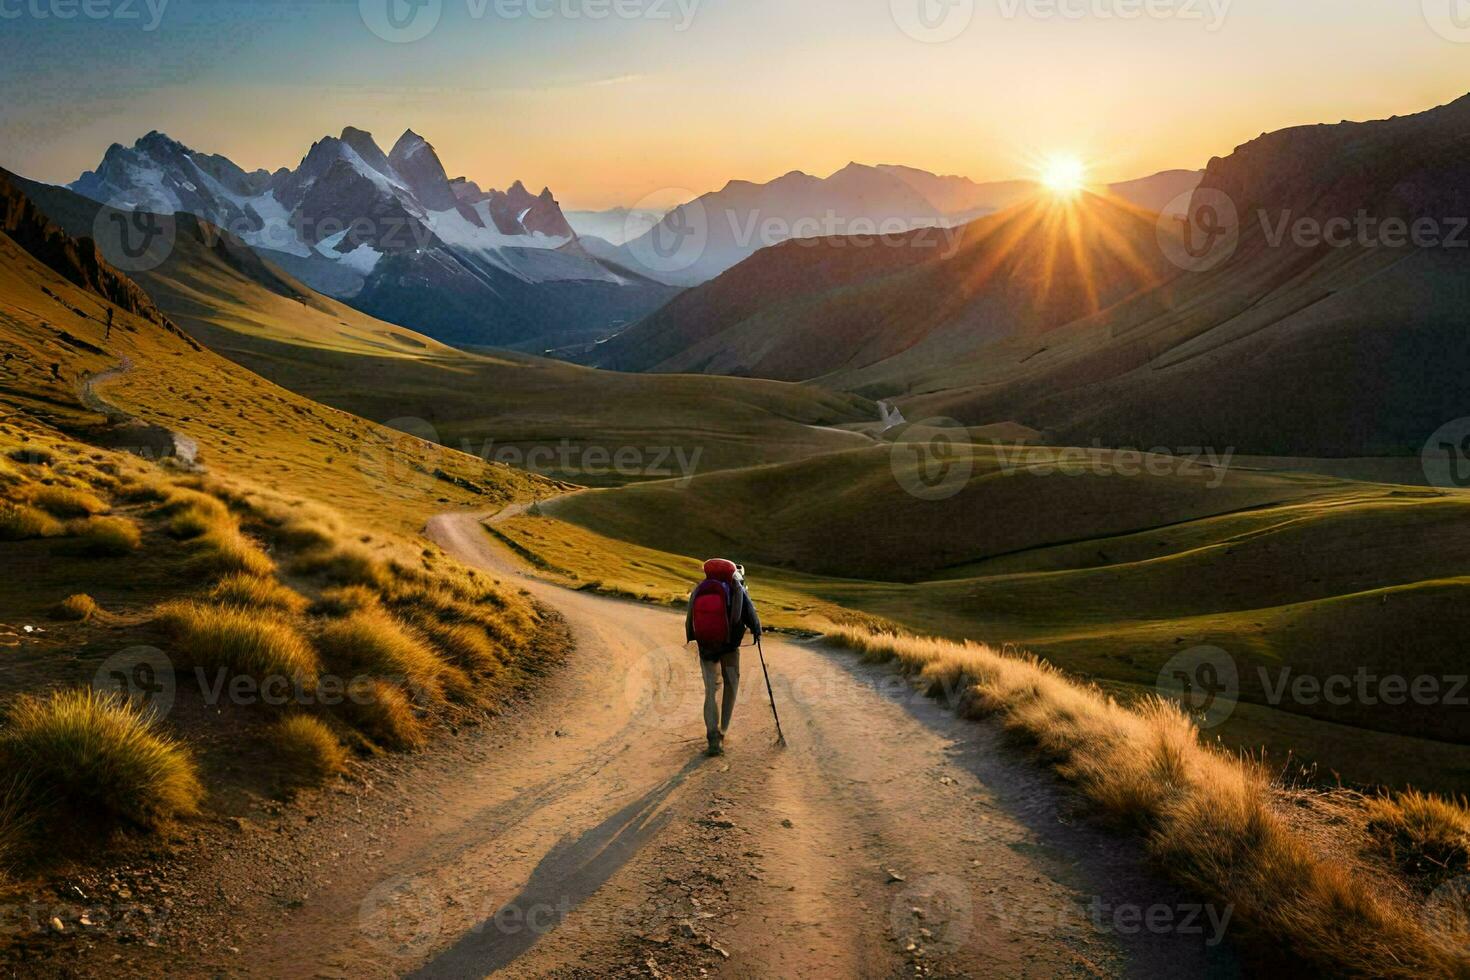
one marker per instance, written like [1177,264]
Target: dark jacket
[742,617]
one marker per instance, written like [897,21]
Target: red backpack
[711,602]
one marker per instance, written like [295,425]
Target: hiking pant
[716,714]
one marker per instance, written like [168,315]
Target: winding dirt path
[888,839]
[584,834]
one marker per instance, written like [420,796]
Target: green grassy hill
[1108,576]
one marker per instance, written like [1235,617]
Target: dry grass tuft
[371,641]
[66,502]
[76,608]
[345,599]
[257,593]
[383,713]
[99,757]
[1424,835]
[226,550]
[344,564]
[245,641]
[1207,816]
[220,547]
[143,489]
[104,537]
[309,751]
[467,647]
[19,522]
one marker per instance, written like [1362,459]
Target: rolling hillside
[1289,346]
[569,422]
[56,292]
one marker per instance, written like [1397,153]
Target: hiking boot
[716,746]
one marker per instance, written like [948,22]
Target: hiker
[720,611]
[109,326]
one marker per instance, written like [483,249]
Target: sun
[1064,176]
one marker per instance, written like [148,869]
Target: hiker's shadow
[569,873]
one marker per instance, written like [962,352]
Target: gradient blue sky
[613,111]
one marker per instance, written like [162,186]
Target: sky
[629,102]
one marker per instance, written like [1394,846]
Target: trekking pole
[780,738]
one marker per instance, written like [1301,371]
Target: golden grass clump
[346,563]
[371,641]
[104,537]
[227,550]
[1207,816]
[193,514]
[20,522]
[76,608]
[467,647]
[142,489]
[309,751]
[99,757]
[220,547]
[67,502]
[1424,835]
[345,599]
[383,712]
[248,642]
[257,593]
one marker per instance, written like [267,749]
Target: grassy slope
[241,422]
[1107,576]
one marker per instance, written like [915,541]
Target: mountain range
[698,241]
[392,235]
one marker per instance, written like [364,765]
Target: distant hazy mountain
[1160,191]
[695,242]
[615,226]
[392,235]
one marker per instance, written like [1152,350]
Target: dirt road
[888,839]
[585,835]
